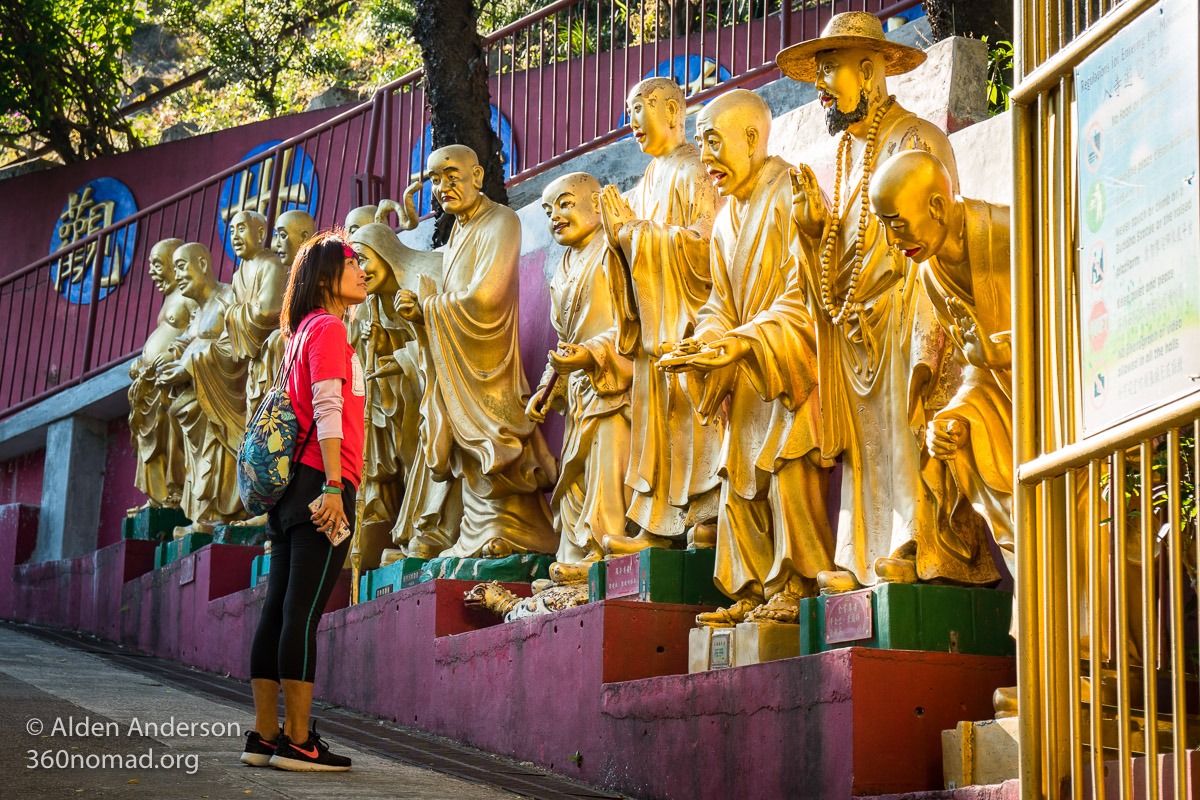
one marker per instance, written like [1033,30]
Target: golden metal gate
[1107,619]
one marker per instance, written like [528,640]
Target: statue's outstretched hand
[570,357]
[808,204]
[944,437]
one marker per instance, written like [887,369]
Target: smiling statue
[475,432]
[658,235]
[586,379]
[883,368]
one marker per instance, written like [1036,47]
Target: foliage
[63,76]
[1000,74]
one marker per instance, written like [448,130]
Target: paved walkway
[80,725]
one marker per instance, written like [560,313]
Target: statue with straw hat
[882,365]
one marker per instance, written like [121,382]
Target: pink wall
[21,478]
[119,492]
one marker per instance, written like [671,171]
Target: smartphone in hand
[336,536]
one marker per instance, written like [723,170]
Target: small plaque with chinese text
[848,617]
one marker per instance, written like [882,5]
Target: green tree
[256,44]
[63,77]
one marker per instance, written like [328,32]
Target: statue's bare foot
[1005,702]
[727,617]
[133,512]
[702,536]
[174,498]
[541,585]
[254,522]
[423,550]
[564,574]
[390,556]
[618,545]
[836,581]
[896,570]
[496,548]
[783,607]
[196,527]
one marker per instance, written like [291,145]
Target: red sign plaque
[848,617]
[623,576]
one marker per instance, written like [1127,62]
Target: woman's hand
[330,516]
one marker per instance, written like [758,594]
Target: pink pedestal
[599,692]
[18,537]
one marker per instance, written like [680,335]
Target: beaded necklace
[849,307]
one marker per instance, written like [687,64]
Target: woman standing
[326,389]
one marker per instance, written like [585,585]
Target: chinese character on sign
[96,205]
[250,189]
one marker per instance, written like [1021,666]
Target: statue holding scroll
[586,379]
[474,431]
[208,388]
[157,441]
[659,273]
[882,364]
[773,535]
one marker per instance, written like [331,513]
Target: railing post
[89,341]
[276,180]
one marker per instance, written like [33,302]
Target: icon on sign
[1096,265]
[1093,147]
[1094,207]
[1099,389]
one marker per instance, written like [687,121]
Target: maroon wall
[30,204]
[21,478]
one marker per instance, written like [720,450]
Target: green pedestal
[596,581]
[513,569]
[945,619]
[398,575]
[178,548]
[260,568]
[662,576]
[153,524]
[252,535]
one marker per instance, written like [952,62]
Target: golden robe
[474,429]
[212,414]
[156,437]
[659,280]
[252,323]
[773,529]
[590,498]
[983,466]
[882,378]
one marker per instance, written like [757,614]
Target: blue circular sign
[250,189]
[421,152]
[97,204]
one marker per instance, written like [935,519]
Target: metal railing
[558,81]
[1107,649]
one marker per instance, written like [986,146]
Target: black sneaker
[258,751]
[312,756]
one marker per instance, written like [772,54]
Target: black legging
[304,569]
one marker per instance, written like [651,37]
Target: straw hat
[852,29]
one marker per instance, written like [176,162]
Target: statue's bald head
[912,193]
[663,88]
[656,113]
[363,215]
[193,269]
[456,178]
[162,265]
[732,132]
[247,233]
[292,228]
[570,203]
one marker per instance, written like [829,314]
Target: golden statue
[586,380]
[207,386]
[157,440]
[659,273]
[503,603]
[474,429]
[292,229]
[773,535]
[396,482]
[363,215]
[962,246]
[883,369]
[258,286]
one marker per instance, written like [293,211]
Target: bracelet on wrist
[327,489]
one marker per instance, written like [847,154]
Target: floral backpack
[268,451]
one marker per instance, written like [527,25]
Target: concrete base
[986,752]
[598,692]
